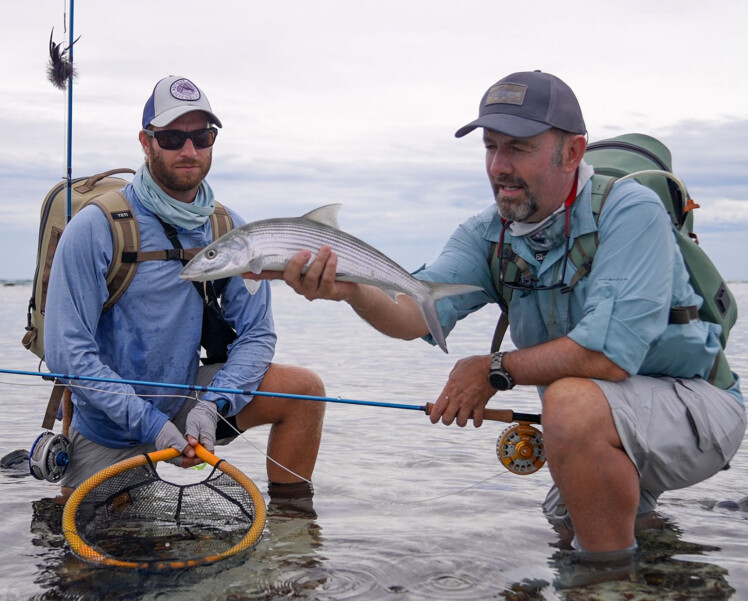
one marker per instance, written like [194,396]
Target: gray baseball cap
[173,97]
[526,104]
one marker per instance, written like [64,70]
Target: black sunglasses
[174,139]
[530,284]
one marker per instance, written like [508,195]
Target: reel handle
[499,415]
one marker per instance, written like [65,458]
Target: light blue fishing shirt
[151,334]
[620,309]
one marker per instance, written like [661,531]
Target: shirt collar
[582,220]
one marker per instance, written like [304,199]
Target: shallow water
[406,510]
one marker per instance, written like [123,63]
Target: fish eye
[211,254]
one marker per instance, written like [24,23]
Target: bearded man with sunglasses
[627,409]
[153,333]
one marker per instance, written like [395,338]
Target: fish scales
[269,244]
[285,239]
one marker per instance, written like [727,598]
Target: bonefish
[269,244]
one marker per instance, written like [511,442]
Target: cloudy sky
[357,102]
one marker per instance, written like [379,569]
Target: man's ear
[574,152]
[144,142]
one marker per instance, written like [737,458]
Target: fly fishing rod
[69,172]
[520,448]
[61,73]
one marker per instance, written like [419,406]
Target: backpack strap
[220,221]
[50,415]
[582,252]
[125,258]
[501,327]
[513,268]
[220,224]
[217,334]
[125,238]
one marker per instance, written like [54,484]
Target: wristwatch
[497,375]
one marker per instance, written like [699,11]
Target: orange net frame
[127,516]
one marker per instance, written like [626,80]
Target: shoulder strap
[582,252]
[217,334]
[125,238]
[220,224]
[514,267]
[511,268]
[220,221]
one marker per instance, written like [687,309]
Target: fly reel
[520,449]
[49,456]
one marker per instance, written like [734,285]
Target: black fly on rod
[60,68]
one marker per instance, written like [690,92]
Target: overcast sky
[357,102]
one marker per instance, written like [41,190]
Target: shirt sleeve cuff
[601,331]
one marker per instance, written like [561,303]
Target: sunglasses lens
[173,139]
[203,138]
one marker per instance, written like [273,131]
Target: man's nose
[499,164]
[188,148]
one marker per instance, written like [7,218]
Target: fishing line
[245,439]
[355,498]
[195,388]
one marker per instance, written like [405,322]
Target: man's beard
[175,180]
[512,210]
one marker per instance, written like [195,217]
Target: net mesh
[137,519]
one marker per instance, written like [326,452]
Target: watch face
[499,381]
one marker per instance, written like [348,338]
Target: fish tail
[427,304]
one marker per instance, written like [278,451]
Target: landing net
[127,516]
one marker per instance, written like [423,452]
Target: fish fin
[428,310]
[326,215]
[393,294]
[438,290]
[427,305]
[252,285]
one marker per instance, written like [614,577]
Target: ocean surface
[407,510]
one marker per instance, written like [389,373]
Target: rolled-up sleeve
[628,292]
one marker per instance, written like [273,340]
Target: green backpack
[646,159]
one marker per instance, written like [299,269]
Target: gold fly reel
[520,449]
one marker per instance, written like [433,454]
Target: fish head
[228,256]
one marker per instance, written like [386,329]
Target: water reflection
[661,572]
[405,510]
[287,563]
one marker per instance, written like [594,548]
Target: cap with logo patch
[526,104]
[173,97]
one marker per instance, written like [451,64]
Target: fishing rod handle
[496,415]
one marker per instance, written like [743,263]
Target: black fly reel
[49,456]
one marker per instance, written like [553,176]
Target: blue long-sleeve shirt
[151,334]
[620,309]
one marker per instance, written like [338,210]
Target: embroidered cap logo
[184,89]
[507,93]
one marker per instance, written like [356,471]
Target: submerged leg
[596,478]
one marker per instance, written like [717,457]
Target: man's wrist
[498,376]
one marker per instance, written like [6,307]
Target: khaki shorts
[676,432]
[88,457]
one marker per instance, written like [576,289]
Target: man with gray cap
[153,332]
[627,409]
